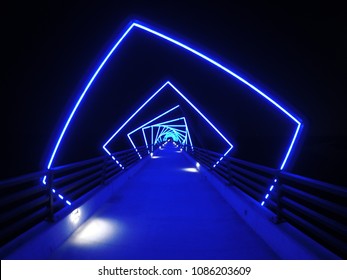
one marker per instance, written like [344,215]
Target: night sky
[297,53]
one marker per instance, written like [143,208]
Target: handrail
[306,203]
[316,208]
[78,164]
[23,196]
[323,186]
[21,179]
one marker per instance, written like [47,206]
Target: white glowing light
[96,230]
[75,216]
[190,169]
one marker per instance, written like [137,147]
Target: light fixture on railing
[75,216]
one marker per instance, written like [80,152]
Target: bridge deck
[166,211]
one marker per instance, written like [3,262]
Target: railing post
[49,183]
[230,172]
[279,213]
[104,167]
[126,160]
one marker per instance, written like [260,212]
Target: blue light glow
[144,136]
[147,123]
[82,96]
[168,130]
[190,103]
[132,116]
[61,197]
[193,51]
[201,114]
[157,117]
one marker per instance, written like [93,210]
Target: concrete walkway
[167,211]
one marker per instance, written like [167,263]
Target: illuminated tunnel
[148,152]
[237,116]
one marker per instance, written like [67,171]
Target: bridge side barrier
[25,201]
[316,208]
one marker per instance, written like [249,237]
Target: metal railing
[25,201]
[317,208]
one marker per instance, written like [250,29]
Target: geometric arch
[167,84]
[146,28]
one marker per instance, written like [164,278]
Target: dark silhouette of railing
[316,208]
[25,201]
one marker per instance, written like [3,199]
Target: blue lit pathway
[166,211]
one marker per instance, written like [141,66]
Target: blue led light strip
[207,120]
[273,102]
[193,51]
[173,134]
[67,123]
[54,191]
[167,125]
[190,140]
[154,119]
[133,115]
[152,139]
[168,83]
[181,134]
[156,136]
[143,132]
[163,114]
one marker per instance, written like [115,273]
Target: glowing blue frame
[173,127]
[168,83]
[165,124]
[154,119]
[169,130]
[181,138]
[147,28]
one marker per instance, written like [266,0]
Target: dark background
[296,52]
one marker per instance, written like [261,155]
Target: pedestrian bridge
[167,198]
[170,205]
